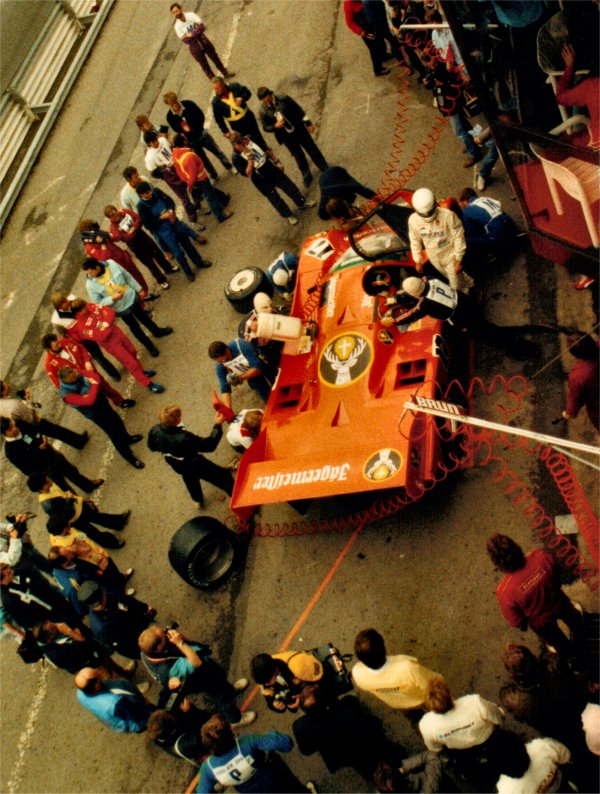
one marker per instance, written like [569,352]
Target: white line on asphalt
[26,736]
[226,55]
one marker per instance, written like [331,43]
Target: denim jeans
[459,128]
[178,240]
[489,160]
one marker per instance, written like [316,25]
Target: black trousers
[376,49]
[109,420]
[268,179]
[90,517]
[299,142]
[206,143]
[247,126]
[66,475]
[133,318]
[70,437]
[200,468]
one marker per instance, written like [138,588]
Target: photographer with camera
[185,667]
[16,546]
[24,412]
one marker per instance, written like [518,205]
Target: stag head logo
[344,360]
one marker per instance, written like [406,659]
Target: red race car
[335,422]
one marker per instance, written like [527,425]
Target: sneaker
[190,276]
[578,607]
[164,285]
[241,684]
[128,573]
[311,203]
[143,687]
[130,591]
[583,282]
[311,787]
[137,464]
[292,221]
[149,373]
[156,388]
[234,170]
[127,404]
[248,717]
[199,505]
[154,296]
[481,183]
[229,74]
[166,331]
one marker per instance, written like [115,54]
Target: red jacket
[108,250]
[75,356]
[84,399]
[532,595]
[90,323]
[190,168]
[119,234]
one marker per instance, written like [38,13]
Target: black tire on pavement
[203,552]
[243,286]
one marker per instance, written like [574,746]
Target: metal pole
[515,431]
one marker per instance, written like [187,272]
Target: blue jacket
[483,219]
[248,754]
[99,293]
[119,705]
[240,350]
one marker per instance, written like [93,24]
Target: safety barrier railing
[32,101]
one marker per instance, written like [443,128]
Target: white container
[279,327]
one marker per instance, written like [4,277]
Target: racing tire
[203,552]
[243,286]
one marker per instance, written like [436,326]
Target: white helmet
[425,204]
[262,302]
[413,286]
[281,277]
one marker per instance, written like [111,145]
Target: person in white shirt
[244,428]
[543,773]
[470,724]
[190,30]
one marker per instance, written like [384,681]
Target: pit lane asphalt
[421,577]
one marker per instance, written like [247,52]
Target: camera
[171,626]
[20,526]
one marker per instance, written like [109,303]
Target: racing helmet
[413,286]
[281,277]
[262,302]
[425,204]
